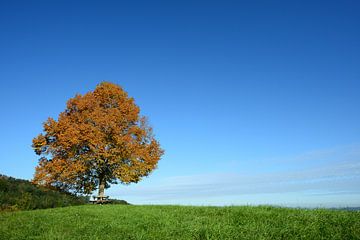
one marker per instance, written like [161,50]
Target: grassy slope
[175,222]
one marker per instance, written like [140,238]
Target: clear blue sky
[255,102]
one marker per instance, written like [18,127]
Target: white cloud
[335,178]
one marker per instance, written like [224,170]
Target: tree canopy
[99,139]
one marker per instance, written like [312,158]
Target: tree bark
[101,187]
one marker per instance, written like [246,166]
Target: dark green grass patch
[179,222]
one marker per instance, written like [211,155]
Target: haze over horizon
[254,102]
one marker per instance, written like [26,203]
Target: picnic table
[100,199]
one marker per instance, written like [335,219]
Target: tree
[100,139]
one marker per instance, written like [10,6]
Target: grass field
[179,222]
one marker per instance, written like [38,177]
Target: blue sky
[254,102]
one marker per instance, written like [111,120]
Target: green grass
[178,222]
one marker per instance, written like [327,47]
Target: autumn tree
[100,139]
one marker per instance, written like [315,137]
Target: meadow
[179,222]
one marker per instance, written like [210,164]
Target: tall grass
[179,222]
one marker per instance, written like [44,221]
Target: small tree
[99,139]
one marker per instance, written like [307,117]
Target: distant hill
[347,209]
[18,194]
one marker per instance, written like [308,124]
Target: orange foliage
[99,138]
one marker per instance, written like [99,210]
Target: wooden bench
[100,200]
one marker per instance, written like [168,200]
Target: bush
[117,201]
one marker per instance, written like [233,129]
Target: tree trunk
[101,187]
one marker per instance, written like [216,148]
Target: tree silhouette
[100,139]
